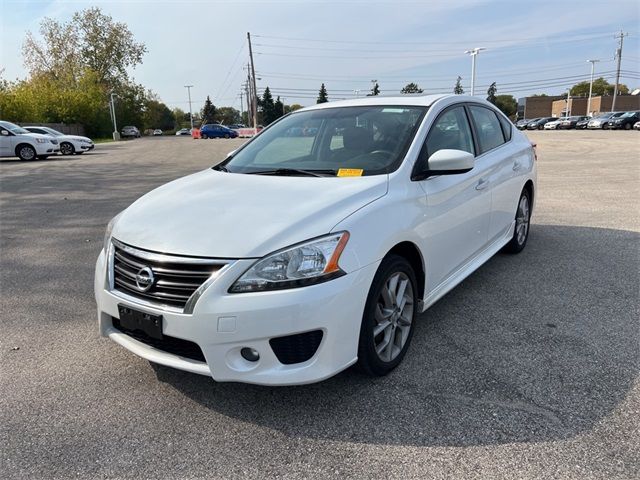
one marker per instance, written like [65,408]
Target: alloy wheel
[27,153]
[522,220]
[66,148]
[393,315]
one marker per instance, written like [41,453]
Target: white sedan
[69,144]
[554,124]
[316,245]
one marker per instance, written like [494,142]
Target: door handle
[482,184]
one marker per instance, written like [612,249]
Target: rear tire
[226,135]
[25,152]
[523,219]
[627,126]
[204,136]
[389,316]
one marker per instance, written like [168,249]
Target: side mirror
[446,162]
[450,162]
[4,133]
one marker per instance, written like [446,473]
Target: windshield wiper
[221,168]
[295,171]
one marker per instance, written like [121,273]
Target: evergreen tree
[374,91]
[411,88]
[269,113]
[278,108]
[491,93]
[208,112]
[458,90]
[323,97]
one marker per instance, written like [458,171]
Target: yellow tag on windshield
[350,172]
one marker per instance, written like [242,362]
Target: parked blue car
[213,130]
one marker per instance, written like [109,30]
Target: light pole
[593,65]
[188,87]
[568,109]
[474,53]
[116,134]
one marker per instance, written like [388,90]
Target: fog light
[250,354]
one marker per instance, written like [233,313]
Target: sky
[531,47]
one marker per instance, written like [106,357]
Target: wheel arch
[411,252]
[22,144]
[530,188]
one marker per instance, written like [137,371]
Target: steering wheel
[371,157]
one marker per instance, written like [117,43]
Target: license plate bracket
[132,319]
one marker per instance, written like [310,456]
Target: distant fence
[67,128]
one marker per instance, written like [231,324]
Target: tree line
[74,69]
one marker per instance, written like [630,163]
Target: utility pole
[255,90]
[241,105]
[619,57]
[189,87]
[474,53]
[116,134]
[246,89]
[593,65]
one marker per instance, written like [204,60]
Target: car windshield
[628,114]
[367,140]
[13,128]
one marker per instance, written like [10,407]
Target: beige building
[578,106]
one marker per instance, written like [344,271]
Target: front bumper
[46,148]
[85,147]
[223,323]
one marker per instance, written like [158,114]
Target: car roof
[396,100]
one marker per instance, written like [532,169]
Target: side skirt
[467,269]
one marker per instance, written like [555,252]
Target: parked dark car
[571,122]
[130,132]
[213,130]
[624,121]
[582,124]
[522,124]
[538,123]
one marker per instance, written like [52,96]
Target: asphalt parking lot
[529,369]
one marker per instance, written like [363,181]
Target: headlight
[304,264]
[42,140]
[85,141]
[107,233]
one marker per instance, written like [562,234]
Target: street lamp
[189,87]
[474,53]
[112,105]
[593,65]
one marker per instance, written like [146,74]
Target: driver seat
[356,141]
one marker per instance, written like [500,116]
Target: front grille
[296,348]
[177,346]
[175,279]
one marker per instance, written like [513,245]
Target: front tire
[627,126]
[523,219]
[67,148]
[26,152]
[204,136]
[389,316]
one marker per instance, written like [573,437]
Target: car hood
[77,138]
[228,215]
